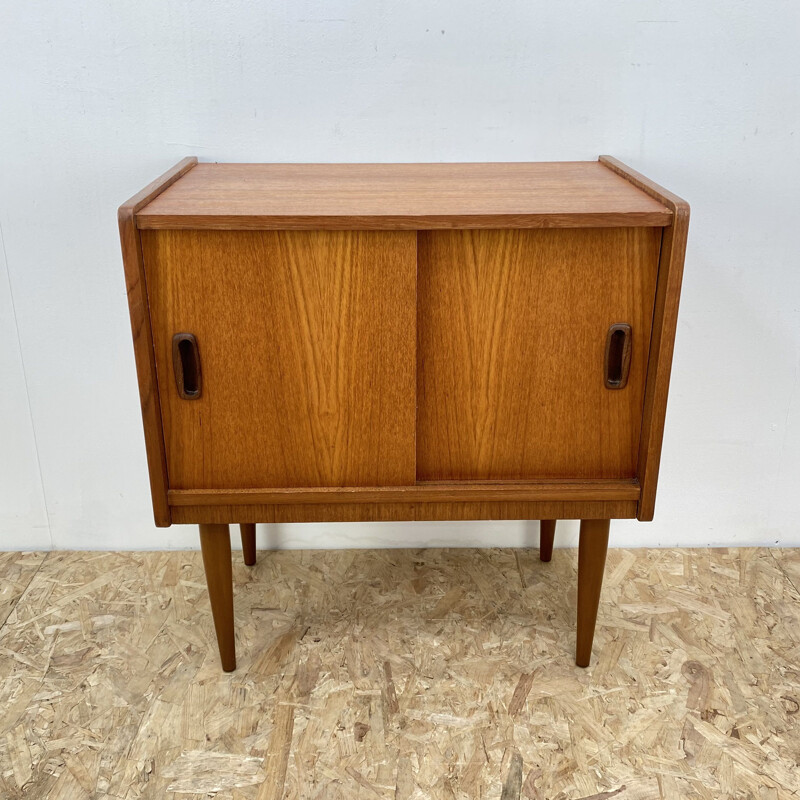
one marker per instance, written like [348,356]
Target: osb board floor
[401,674]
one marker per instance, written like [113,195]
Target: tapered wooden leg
[215,542]
[248,530]
[547,533]
[591,563]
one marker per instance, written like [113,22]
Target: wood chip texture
[400,674]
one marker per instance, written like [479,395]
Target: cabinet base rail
[215,544]
[422,492]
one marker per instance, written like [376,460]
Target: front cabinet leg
[592,551]
[215,542]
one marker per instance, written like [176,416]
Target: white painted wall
[98,98]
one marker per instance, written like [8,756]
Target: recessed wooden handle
[618,355]
[186,364]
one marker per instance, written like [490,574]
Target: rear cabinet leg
[591,563]
[547,533]
[248,530]
[215,542]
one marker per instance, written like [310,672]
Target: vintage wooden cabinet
[403,342]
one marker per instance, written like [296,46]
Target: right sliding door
[524,338]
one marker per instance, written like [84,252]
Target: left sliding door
[284,358]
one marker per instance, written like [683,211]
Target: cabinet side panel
[306,341]
[512,329]
[142,336]
[665,322]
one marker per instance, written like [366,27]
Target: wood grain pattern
[135,282]
[511,337]
[665,322]
[307,345]
[408,196]
[420,493]
[402,196]
[384,512]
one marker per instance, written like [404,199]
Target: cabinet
[327,342]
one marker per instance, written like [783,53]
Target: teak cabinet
[403,342]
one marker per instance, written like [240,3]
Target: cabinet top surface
[402,196]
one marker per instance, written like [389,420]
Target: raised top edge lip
[153,212]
